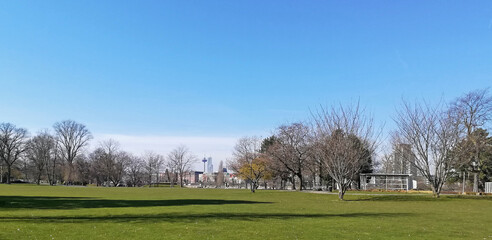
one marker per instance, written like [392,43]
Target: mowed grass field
[43,212]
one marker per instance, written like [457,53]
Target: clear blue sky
[231,68]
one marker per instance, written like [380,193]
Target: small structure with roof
[386,181]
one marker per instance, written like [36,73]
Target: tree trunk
[464,182]
[69,174]
[341,193]
[9,169]
[475,182]
[435,191]
[300,182]
[53,178]
[315,183]
[39,178]
[48,175]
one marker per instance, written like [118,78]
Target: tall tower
[210,166]
[204,160]
[404,160]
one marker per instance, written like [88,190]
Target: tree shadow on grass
[191,218]
[19,202]
[417,198]
[487,197]
[396,198]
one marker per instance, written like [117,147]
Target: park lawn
[44,212]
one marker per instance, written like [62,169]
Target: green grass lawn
[43,212]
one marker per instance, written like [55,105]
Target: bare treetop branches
[71,136]
[247,148]
[40,151]
[432,135]
[152,167]
[12,145]
[472,110]
[344,141]
[180,159]
[110,162]
[292,148]
[135,170]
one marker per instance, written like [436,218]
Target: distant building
[207,177]
[399,172]
[404,160]
[210,165]
[404,163]
[192,177]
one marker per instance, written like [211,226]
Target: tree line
[58,156]
[447,142]
[337,143]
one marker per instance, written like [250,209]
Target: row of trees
[449,140]
[61,157]
[338,143]
[44,151]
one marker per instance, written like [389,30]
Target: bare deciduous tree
[135,171]
[345,139]
[277,170]
[71,137]
[12,145]
[292,149]
[118,172]
[53,167]
[153,163]
[96,159]
[110,162]
[180,159]
[115,161]
[84,170]
[472,111]
[40,151]
[170,173]
[387,163]
[432,135]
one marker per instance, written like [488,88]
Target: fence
[488,187]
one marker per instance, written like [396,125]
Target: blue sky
[225,69]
